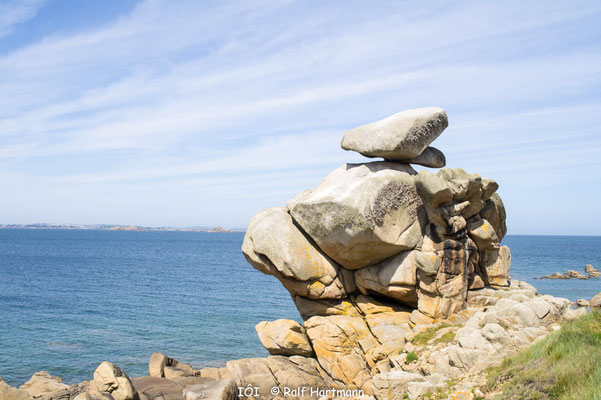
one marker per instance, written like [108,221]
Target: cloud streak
[180,97]
[15,12]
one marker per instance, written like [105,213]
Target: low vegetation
[564,365]
[411,356]
[422,338]
[445,338]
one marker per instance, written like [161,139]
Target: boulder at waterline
[8,392]
[42,384]
[284,337]
[161,366]
[596,301]
[589,268]
[110,380]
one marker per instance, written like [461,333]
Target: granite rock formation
[421,240]
[378,251]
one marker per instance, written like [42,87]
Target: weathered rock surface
[395,277]
[345,349]
[572,274]
[512,320]
[111,383]
[8,392]
[494,212]
[495,264]
[444,270]
[400,137]
[278,371]
[276,246]
[589,268]
[596,301]
[155,388]
[361,214]
[431,157]
[161,366]
[284,337]
[309,308]
[223,389]
[575,274]
[43,384]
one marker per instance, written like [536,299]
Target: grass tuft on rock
[446,338]
[422,338]
[564,365]
[411,356]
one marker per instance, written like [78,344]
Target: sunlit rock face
[377,248]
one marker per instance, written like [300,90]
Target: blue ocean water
[70,299]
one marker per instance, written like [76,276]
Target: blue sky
[188,113]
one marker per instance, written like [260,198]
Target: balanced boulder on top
[401,137]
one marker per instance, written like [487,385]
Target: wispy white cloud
[175,96]
[14,12]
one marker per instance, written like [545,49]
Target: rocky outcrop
[161,366]
[278,372]
[223,389]
[154,388]
[588,268]
[595,301]
[8,392]
[376,252]
[572,274]
[111,383]
[42,384]
[284,337]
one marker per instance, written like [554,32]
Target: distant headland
[108,227]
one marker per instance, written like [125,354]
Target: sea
[70,299]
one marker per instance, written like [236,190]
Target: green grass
[446,338]
[411,356]
[424,337]
[564,365]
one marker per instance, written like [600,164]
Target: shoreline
[431,342]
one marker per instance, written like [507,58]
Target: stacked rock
[377,247]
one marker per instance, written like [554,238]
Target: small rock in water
[589,268]
[582,303]
[575,274]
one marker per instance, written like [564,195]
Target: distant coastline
[108,227]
